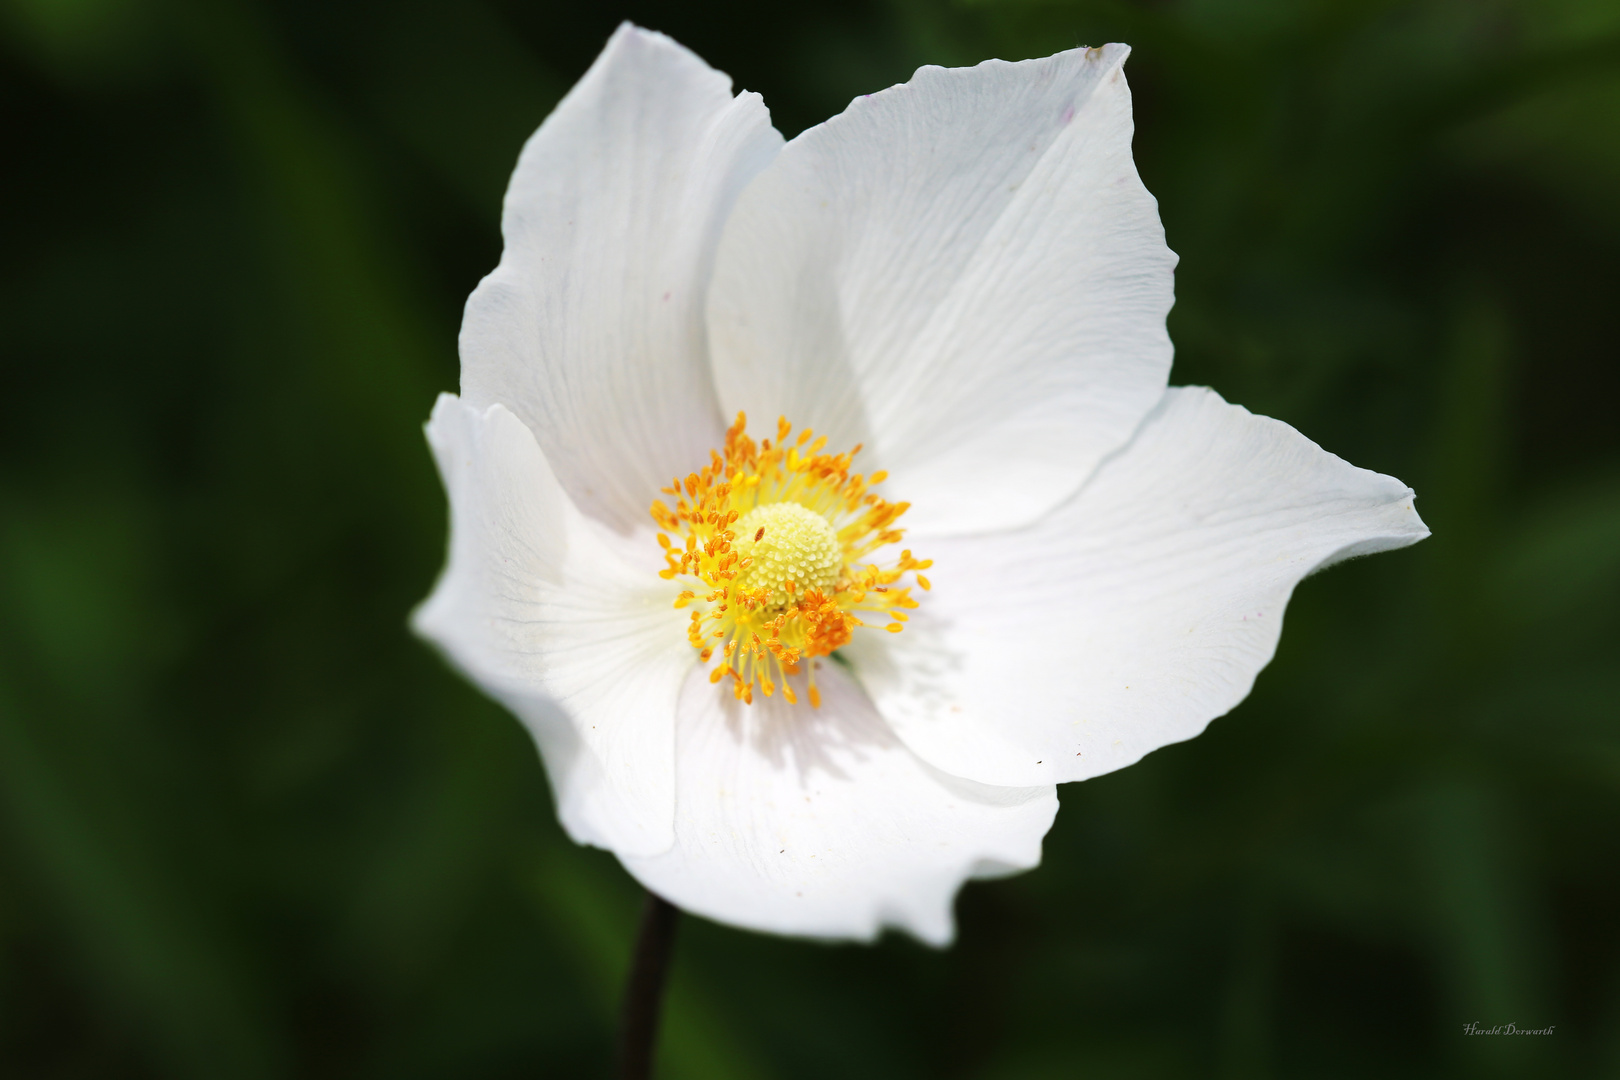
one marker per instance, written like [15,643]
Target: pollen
[779,546]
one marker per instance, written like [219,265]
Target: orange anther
[760,642]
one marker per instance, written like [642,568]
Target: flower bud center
[788,543]
[775,540]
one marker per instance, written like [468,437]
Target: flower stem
[644,993]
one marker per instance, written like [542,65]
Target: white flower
[964,275]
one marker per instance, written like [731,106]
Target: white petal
[963,273]
[1138,611]
[819,822]
[591,329]
[536,606]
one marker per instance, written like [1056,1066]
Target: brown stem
[644,993]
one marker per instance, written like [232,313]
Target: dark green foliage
[250,828]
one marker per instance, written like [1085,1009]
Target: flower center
[786,542]
[777,540]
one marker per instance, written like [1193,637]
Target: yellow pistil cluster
[777,537]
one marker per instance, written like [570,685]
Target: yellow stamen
[780,537]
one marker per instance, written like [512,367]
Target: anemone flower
[810,679]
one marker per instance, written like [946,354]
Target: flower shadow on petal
[804,740]
[921,679]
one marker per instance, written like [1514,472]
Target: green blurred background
[250,828]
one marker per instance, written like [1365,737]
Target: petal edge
[963,273]
[536,607]
[819,823]
[1138,611]
[591,329]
